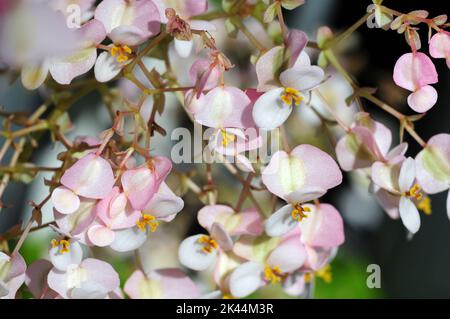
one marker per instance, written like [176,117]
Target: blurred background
[417,268]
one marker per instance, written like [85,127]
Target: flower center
[291,96]
[227,137]
[64,245]
[323,273]
[272,274]
[209,244]
[149,220]
[298,213]
[121,52]
[415,192]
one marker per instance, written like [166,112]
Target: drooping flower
[90,279]
[90,177]
[366,142]
[127,24]
[404,195]
[170,283]
[433,166]
[270,262]
[440,46]
[12,274]
[286,88]
[414,72]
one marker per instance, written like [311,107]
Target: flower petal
[62,260]
[414,70]
[101,236]
[191,255]
[128,239]
[409,215]
[106,68]
[183,47]
[33,75]
[65,201]
[423,99]
[246,279]
[91,177]
[269,111]
[407,175]
[281,222]
[290,255]
[302,78]
[139,186]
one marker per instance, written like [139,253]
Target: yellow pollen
[415,192]
[64,245]
[272,274]
[291,96]
[209,244]
[325,274]
[298,213]
[308,277]
[149,220]
[227,137]
[228,296]
[425,205]
[121,52]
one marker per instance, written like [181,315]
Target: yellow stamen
[309,277]
[298,213]
[291,96]
[149,220]
[63,244]
[415,192]
[121,52]
[272,274]
[227,137]
[228,296]
[325,274]
[209,244]
[425,205]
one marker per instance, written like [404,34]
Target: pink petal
[440,45]
[433,164]
[267,67]
[412,71]
[323,227]
[289,255]
[423,99]
[91,177]
[211,214]
[297,41]
[65,201]
[100,236]
[36,277]
[204,75]
[164,203]
[139,186]
[250,223]
[224,107]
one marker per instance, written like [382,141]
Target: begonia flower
[170,283]
[414,72]
[433,166]
[440,46]
[12,274]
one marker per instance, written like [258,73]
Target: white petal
[128,239]
[302,78]
[269,110]
[65,201]
[221,236]
[304,195]
[101,236]
[246,279]
[448,205]
[407,175]
[34,75]
[183,48]
[409,215]
[106,67]
[281,222]
[62,260]
[191,255]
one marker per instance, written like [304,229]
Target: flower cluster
[113,193]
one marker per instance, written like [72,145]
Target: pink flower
[367,141]
[37,282]
[400,194]
[222,107]
[90,279]
[440,46]
[290,87]
[433,166]
[170,283]
[127,23]
[12,274]
[90,177]
[270,263]
[199,252]
[414,72]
